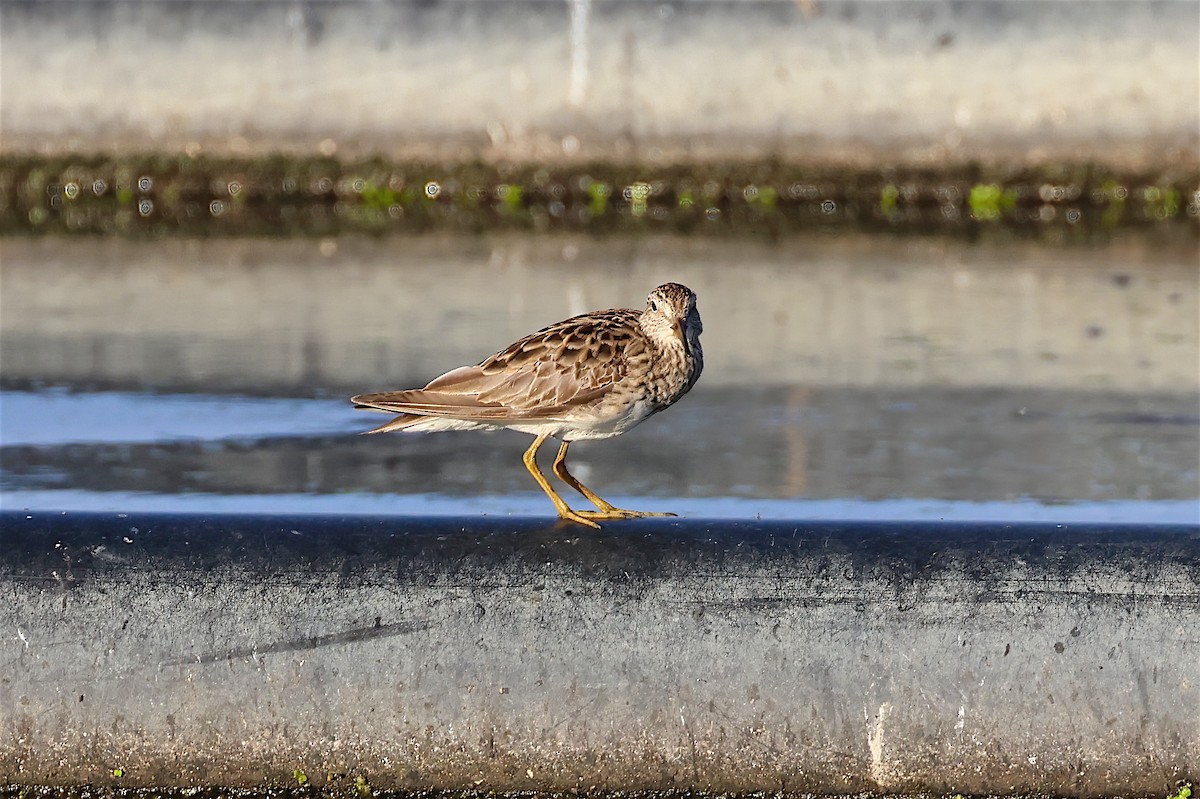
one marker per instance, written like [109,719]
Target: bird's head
[671,314]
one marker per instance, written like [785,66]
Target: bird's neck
[675,367]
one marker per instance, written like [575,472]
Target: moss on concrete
[341,786]
[156,196]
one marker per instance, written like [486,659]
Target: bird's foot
[590,517]
[611,513]
[578,517]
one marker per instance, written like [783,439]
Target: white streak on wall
[875,744]
[581,12]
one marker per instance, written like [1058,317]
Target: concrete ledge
[517,654]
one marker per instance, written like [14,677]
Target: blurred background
[946,253]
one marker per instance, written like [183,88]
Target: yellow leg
[564,512]
[605,510]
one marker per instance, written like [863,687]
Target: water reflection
[830,444]
[850,378]
[293,318]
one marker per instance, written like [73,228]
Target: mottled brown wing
[542,376]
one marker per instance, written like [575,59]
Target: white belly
[587,424]
[627,418]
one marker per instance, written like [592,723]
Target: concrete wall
[865,82]
[749,656]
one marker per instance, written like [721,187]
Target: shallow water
[827,453]
[848,378]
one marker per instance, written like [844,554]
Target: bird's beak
[682,337]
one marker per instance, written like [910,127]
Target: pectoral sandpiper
[591,376]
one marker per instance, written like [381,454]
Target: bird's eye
[653,305]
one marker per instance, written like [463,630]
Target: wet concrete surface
[524,655]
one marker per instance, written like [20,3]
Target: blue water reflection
[116,451]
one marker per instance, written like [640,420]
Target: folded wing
[544,376]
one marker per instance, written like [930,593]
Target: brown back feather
[542,376]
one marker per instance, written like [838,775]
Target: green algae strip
[361,789]
[159,196]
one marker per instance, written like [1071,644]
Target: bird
[593,376]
